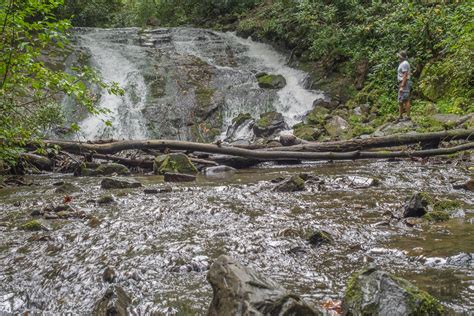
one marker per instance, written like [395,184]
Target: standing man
[404,84]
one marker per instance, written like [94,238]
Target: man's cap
[403,54]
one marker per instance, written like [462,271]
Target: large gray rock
[337,126]
[174,163]
[241,291]
[375,292]
[269,124]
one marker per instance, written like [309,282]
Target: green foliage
[100,13]
[30,90]
[341,35]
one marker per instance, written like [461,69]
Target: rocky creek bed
[161,238]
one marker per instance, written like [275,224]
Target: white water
[124,112]
[294,100]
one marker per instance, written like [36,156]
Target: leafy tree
[30,86]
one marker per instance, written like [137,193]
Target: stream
[161,245]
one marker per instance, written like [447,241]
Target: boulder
[289,140]
[295,183]
[239,290]
[174,163]
[67,188]
[337,126]
[114,302]
[95,170]
[268,81]
[376,292]
[417,206]
[306,132]
[113,183]
[321,103]
[269,124]
[179,177]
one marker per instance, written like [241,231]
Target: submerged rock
[105,199]
[174,163]
[67,188]
[95,170]
[219,171]
[113,183]
[375,292]
[239,290]
[319,237]
[269,124]
[179,177]
[268,81]
[295,183]
[114,302]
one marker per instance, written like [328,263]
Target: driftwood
[146,163]
[380,142]
[111,148]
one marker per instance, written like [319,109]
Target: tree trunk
[84,148]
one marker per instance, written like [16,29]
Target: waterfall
[182,83]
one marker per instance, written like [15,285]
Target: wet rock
[242,127]
[32,225]
[37,213]
[106,199]
[268,81]
[241,291]
[417,206]
[289,140]
[95,170]
[295,183]
[51,216]
[197,264]
[269,124]
[321,103]
[109,275]
[375,292]
[174,163]
[219,171]
[337,126]
[179,177]
[67,188]
[151,191]
[319,237]
[113,183]
[468,185]
[114,302]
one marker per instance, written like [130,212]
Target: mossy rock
[241,118]
[437,216]
[32,225]
[306,132]
[174,163]
[67,188]
[376,292]
[295,183]
[267,81]
[106,199]
[103,170]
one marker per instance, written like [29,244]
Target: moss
[204,96]
[420,302]
[306,132]
[242,117]
[106,199]
[271,81]
[174,163]
[353,293]
[32,225]
[436,216]
[446,205]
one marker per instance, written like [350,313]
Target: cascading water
[124,112]
[185,83]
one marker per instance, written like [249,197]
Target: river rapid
[162,244]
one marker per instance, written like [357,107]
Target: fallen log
[146,163]
[379,142]
[82,148]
